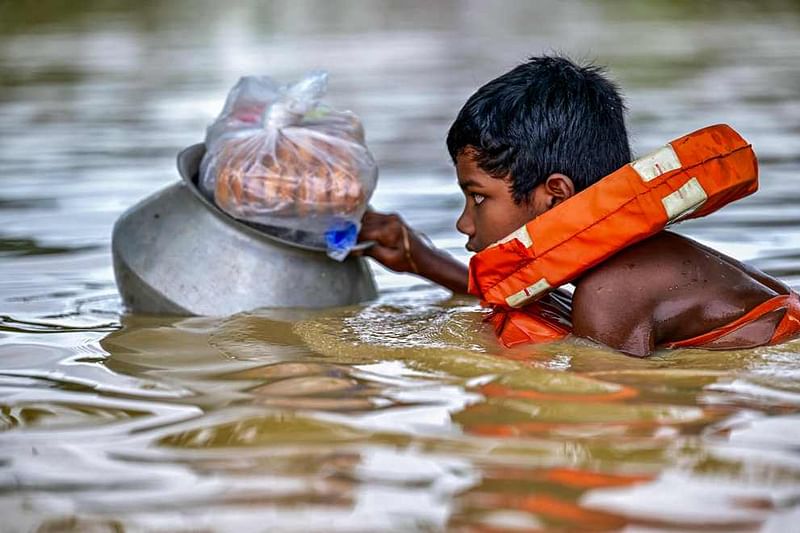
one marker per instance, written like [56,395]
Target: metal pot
[176,252]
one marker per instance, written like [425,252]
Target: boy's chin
[474,247]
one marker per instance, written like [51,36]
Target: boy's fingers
[371,217]
[362,245]
[374,217]
[386,230]
[371,223]
[368,233]
[377,233]
[385,255]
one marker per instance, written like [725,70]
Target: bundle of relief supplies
[281,160]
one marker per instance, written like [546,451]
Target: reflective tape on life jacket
[690,177]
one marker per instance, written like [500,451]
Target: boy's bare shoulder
[645,269]
[614,302]
[667,265]
[664,288]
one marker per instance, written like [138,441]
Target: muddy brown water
[401,414]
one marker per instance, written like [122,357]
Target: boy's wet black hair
[545,116]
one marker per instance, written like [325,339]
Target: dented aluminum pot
[177,253]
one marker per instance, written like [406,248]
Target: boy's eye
[478,198]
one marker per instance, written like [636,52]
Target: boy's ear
[558,188]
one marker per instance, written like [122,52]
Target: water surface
[401,414]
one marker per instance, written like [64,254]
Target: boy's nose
[464,224]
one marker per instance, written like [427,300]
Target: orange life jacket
[688,178]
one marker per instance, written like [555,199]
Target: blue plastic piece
[340,239]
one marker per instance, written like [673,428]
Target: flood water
[401,414]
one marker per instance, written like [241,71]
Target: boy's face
[490,212]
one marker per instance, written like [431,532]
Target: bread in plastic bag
[279,158]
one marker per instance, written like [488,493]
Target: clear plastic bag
[279,158]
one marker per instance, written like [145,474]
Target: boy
[534,137]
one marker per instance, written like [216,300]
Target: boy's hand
[399,248]
[395,243]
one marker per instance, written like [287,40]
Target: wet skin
[664,289]
[669,288]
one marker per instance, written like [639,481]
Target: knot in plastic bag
[298,100]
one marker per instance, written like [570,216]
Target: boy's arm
[614,319]
[400,249]
[612,304]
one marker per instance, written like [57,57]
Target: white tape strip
[521,234]
[685,200]
[528,294]
[659,162]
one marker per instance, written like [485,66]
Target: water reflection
[404,413]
